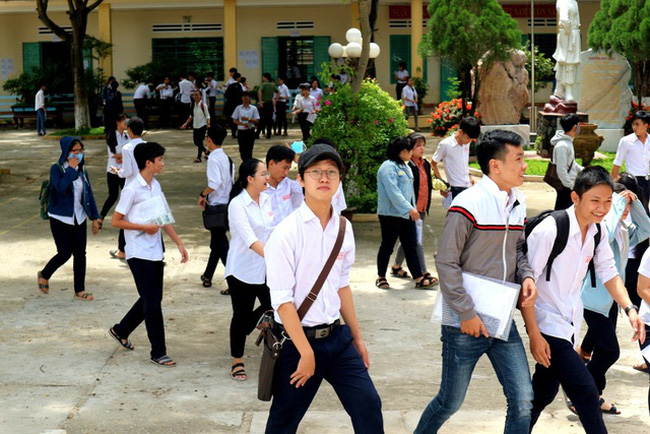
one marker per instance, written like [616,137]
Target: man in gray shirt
[564,157]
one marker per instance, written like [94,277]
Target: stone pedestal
[547,125]
[611,138]
[522,129]
[560,106]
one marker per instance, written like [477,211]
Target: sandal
[382,283]
[240,374]
[399,272]
[124,342]
[43,287]
[114,254]
[225,291]
[206,282]
[569,404]
[612,409]
[84,296]
[197,160]
[641,367]
[426,283]
[164,362]
[100,222]
[431,278]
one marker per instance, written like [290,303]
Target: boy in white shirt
[41,113]
[410,100]
[140,102]
[166,91]
[634,151]
[306,109]
[644,293]
[246,117]
[285,193]
[319,348]
[144,254]
[553,324]
[281,107]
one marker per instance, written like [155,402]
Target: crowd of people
[585,260]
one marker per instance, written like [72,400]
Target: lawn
[85,132]
[538,167]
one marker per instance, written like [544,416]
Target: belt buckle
[322,333]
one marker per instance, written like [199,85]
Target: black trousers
[647,361]
[338,362]
[218,250]
[265,126]
[281,116]
[563,199]
[198,135]
[212,101]
[70,240]
[606,350]
[166,107]
[398,90]
[148,276]
[588,341]
[455,191]
[228,110]
[115,184]
[393,228]
[644,184]
[632,276]
[568,370]
[244,317]
[305,126]
[186,111]
[140,105]
[246,142]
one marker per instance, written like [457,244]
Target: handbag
[551,177]
[272,342]
[215,216]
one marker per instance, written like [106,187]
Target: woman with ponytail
[251,218]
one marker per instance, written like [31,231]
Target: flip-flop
[239,375]
[164,362]
[86,296]
[641,367]
[128,345]
[569,404]
[206,282]
[43,287]
[225,291]
[114,255]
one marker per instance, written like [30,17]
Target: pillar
[417,68]
[106,64]
[354,13]
[229,35]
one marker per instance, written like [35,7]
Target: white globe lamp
[353,49]
[335,50]
[374,50]
[353,35]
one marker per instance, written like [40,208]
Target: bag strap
[592,267]
[562,223]
[313,294]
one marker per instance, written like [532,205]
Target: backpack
[44,196]
[562,222]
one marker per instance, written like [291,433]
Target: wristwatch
[629,308]
[203,195]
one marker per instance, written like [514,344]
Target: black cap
[319,152]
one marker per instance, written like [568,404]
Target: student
[410,100]
[232,79]
[116,142]
[250,217]
[422,188]
[245,117]
[634,151]
[315,91]
[144,254]
[185,89]
[200,119]
[553,323]
[644,293]
[71,202]
[285,194]
[221,176]
[306,108]
[41,110]
[166,92]
[265,95]
[295,255]
[398,213]
[338,201]
[564,158]
[113,106]
[233,96]
[212,88]
[281,107]
[600,311]
[454,152]
[497,203]
[401,77]
[140,98]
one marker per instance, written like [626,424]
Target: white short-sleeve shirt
[644,269]
[402,76]
[167,91]
[122,139]
[456,160]
[142,92]
[634,154]
[129,169]
[285,198]
[221,177]
[243,112]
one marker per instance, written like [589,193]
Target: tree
[467,32]
[366,33]
[78,11]
[624,27]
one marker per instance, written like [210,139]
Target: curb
[93,137]
[527,178]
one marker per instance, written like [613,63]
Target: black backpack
[562,222]
[44,195]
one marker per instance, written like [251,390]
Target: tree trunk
[366,33]
[81,111]
[641,80]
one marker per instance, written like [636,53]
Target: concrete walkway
[59,369]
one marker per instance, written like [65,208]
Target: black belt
[319,331]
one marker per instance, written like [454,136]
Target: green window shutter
[88,59]
[400,51]
[31,56]
[321,44]
[270,56]
[447,71]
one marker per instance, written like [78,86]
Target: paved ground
[60,370]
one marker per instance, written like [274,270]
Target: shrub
[361,125]
[446,117]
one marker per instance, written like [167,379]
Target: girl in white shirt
[410,101]
[251,219]
[200,118]
[401,76]
[315,91]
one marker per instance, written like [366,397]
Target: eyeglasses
[318,174]
[263,174]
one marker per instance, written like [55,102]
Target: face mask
[80,157]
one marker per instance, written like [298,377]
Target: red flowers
[448,115]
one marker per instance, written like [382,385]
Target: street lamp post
[353,48]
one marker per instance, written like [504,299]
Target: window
[296,59]
[191,54]
[545,42]
[187,27]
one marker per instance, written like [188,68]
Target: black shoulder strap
[592,267]
[562,223]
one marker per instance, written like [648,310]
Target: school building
[255,36]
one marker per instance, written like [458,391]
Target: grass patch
[538,167]
[84,132]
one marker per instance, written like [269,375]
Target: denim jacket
[598,299]
[395,188]
[62,193]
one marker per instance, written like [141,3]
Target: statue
[567,56]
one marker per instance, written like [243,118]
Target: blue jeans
[460,353]
[40,121]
